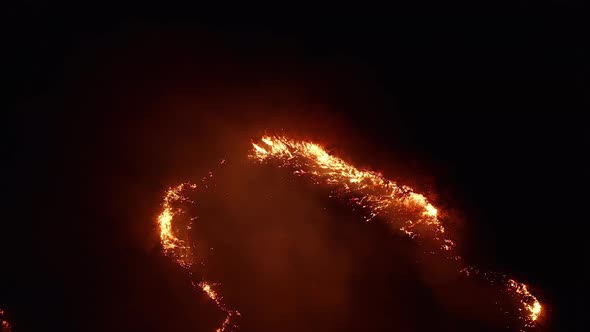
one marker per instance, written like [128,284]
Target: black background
[480,106]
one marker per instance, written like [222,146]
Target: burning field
[377,200]
[169,169]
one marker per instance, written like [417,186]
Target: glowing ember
[4,324]
[377,194]
[209,291]
[529,302]
[395,204]
[181,251]
[212,294]
[170,242]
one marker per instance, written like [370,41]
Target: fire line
[408,211]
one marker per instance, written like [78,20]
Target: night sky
[109,104]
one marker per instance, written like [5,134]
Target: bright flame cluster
[528,300]
[396,204]
[377,194]
[372,191]
[170,242]
[181,251]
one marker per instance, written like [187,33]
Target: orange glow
[394,204]
[230,314]
[178,248]
[528,301]
[170,242]
[378,194]
[209,291]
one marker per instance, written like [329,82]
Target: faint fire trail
[395,204]
[4,324]
[179,248]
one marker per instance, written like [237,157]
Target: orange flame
[378,193]
[178,248]
[370,190]
[212,294]
[528,301]
[379,196]
[170,242]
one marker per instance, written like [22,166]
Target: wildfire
[528,301]
[170,242]
[398,205]
[181,251]
[209,291]
[377,194]
[212,294]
